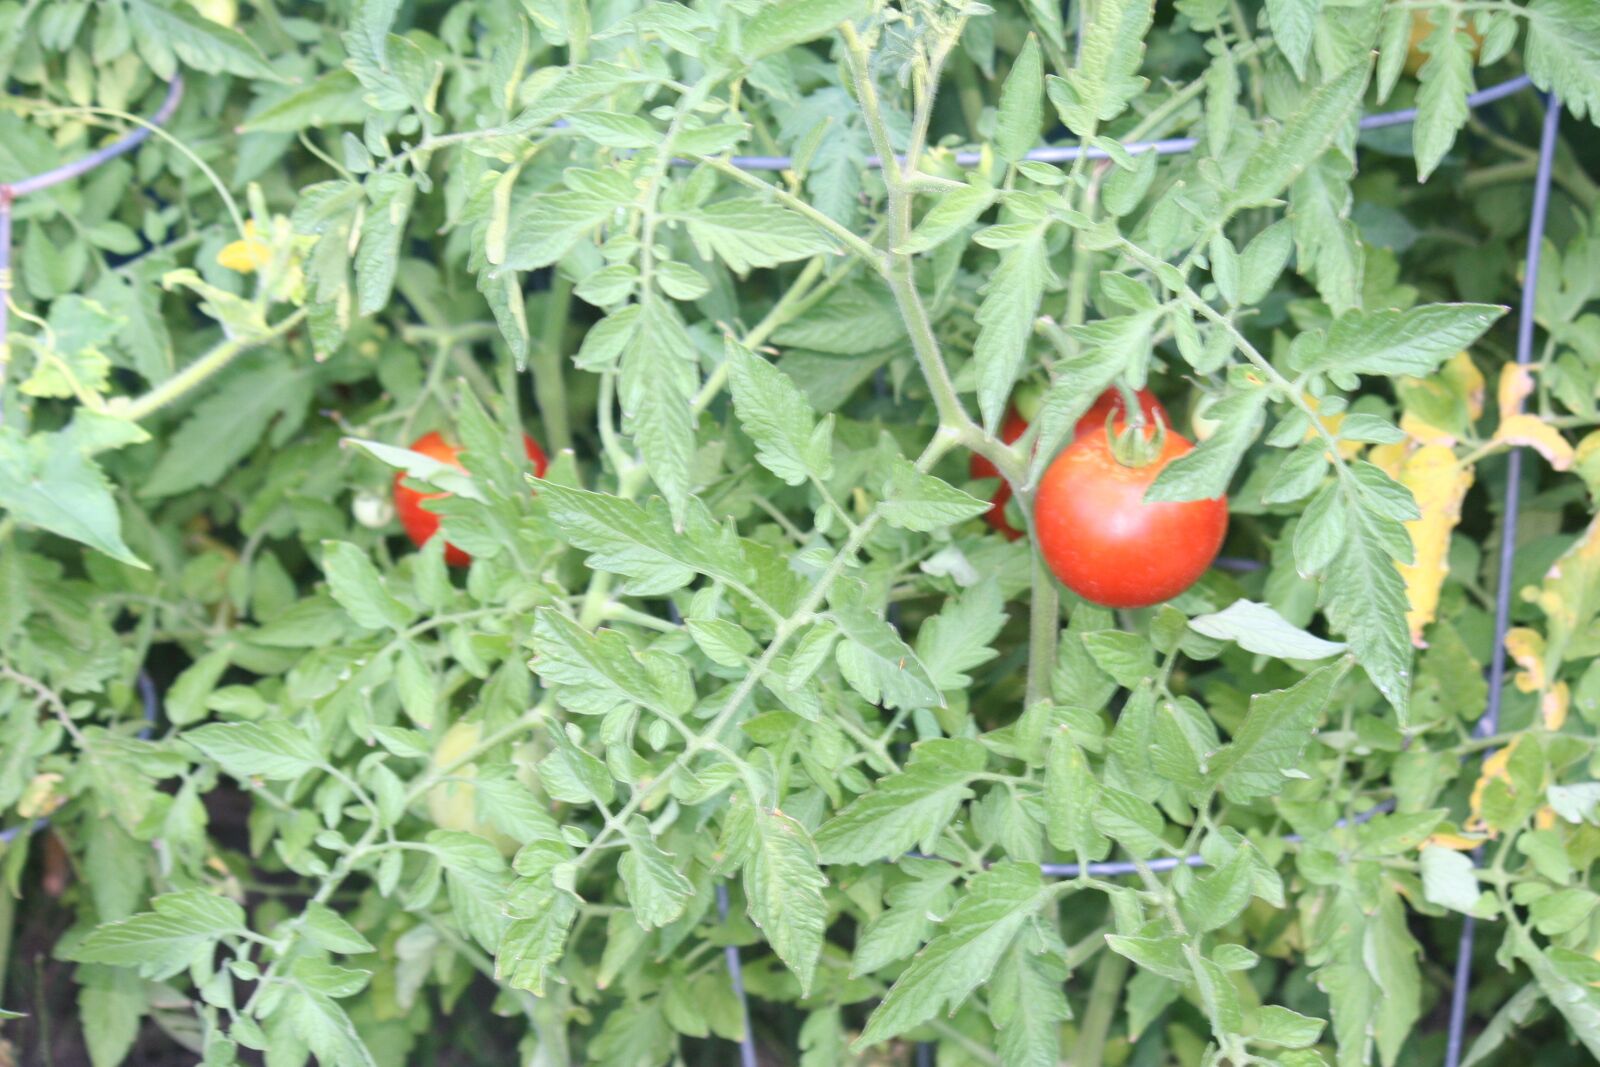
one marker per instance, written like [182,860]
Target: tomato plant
[757,733]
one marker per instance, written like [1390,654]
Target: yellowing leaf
[1389,458]
[1516,383]
[1540,436]
[247,255]
[1439,409]
[1439,484]
[1526,649]
[1331,423]
[1586,461]
[1458,842]
[1553,707]
[1467,380]
[1413,426]
[1494,767]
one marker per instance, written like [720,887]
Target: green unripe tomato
[453,803]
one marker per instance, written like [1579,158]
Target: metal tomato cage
[1487,725]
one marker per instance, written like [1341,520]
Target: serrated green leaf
[272,749]
[904,808]
[1274,733]
[962,956]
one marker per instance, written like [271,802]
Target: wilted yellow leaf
[1439,484]
[1389,458]
[1526,649]
[1494,767]
[1440,408]
[1458,842]
[1554,704]
[1414,427]
[1516,384]
[1540,436]
[40,796]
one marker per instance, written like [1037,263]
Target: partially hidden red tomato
[420,523]
[1013,428]
[1108,404]
[1105,543]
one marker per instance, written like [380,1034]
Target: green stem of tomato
[549,381]
[202,369]
[1105,993]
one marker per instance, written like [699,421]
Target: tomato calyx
[1132,440]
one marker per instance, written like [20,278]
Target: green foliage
[750,633]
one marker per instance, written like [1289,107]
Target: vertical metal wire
[747,1044]
[1490,723]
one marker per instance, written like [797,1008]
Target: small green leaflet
[902,927]
[246,750]
[260,397]
[657,890]
[906,808]
[594,672]
[962,956]
[1274,734]
[1442,102]
[1448,879]
[1275,165]
[658,375]
[1395,343]
[747,232]
[1021,111]
[1258,628]
[530,947]
[1293,23]
[326,1028]
[378,257]
[1204,473]
[959,637]
[640,543]
[1005,321]
[954,211]
[1328,247]
[1577,1001]
[1365,599]
[783,887]
[46,481]
[787,23]
[164,941]
[1106,76]
[423,468]
[790,442]
[879,665]
[1028,1002]
[546,225]
[179,32]
[921,502]
[360,589]
[1564,52]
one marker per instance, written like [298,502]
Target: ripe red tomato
[1105,543]
[1108,404]
[421,524]
[1010,430]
